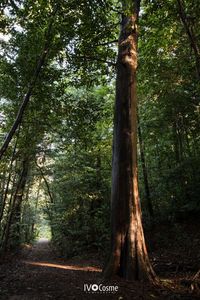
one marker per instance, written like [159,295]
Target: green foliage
[168,108]
[81,183]
[67,126]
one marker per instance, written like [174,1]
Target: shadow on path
[39,274]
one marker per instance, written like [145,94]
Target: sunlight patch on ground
[65,267]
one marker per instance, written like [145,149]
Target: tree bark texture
[128,258]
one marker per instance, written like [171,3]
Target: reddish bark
[128,258]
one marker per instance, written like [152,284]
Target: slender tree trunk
[4,199]
[96,203]
[13,182]
[191,35]
[24,212]
[35,209]
[22,107]
[145,174]
[128,257]
[9,179]
[24,104]
[51,197]
[46,183]
[16,205]
[4,182]
[176,146]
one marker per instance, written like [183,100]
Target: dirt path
[39,275]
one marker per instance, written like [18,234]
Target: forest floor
[38,273]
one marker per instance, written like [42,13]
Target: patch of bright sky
[5,37]
[17,27]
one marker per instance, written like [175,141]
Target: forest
[99,149]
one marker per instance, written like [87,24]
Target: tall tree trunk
[128,257]
[191,35]
[24,104]
[4,183]
[32,229]
[46,183]
[9,179]
[3,180]
[14,216]
[10,195]
[96,203]
[145,174]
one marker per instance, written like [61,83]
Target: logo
[100,288]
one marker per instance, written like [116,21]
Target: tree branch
[107,43]
[46,183]
[14,6]
[98,59]
[30,90]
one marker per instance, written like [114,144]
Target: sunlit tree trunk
[128,257]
